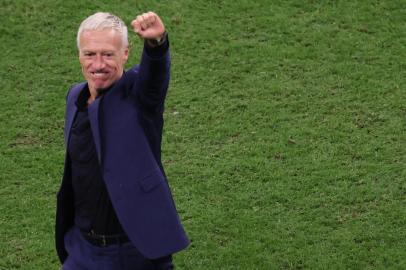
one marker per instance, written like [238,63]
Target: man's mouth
[99,74]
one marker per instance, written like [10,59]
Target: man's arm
[153,74]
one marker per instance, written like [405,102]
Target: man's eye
[108,54]
[88,54]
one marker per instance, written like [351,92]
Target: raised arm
[153,72]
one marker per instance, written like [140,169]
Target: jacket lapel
[70,115]
[71,109]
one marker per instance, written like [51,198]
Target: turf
[285,129]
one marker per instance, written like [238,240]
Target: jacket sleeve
[152,79]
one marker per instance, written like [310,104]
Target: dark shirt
[93,208]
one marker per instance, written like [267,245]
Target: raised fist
[148,26]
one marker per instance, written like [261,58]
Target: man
[114,207]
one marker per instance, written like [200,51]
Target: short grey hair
[101,21]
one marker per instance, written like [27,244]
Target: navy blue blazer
[127,124]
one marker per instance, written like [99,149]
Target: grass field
[285,134]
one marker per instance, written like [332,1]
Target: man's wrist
[157,50]
[156,42]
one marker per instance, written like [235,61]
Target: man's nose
[99,62]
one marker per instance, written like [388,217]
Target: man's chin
[102,88]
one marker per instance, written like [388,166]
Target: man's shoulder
[132,71]
[74,90]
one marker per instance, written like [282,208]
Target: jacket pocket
[152,181]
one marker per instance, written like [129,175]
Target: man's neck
[93,95]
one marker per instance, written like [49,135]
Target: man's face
[102,56]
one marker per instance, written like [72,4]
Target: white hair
[101,21]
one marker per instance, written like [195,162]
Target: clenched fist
[148,26]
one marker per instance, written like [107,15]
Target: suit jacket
[126,124]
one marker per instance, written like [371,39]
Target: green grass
[284,143]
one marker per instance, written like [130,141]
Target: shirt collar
[81,102]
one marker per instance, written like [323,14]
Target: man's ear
[126,53]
